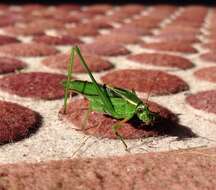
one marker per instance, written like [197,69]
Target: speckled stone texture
[36,85]
[158,82]
[165,52]
[204,100]
[8,65]
[27,50]
[16,122]
[60,62]
[163,60]
[192,169]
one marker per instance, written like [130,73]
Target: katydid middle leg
[85,118]
[117,126]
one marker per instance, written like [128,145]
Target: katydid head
[145,115]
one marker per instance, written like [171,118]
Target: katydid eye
[139,110]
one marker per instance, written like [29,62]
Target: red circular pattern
[36,85]
[16,122]
[158,82]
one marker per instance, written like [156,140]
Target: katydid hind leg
[69,76]
[104,97]
[83,125]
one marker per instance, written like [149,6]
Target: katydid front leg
[70,71]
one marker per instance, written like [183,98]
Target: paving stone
[209,56]
[163,60]
[8,65]
[7,40]
[170,46]
[16,122]
[104,49]
[61,61]
[81,30]
[207,73]
[122,38]
[192,169]
[150,81]
[56,40]
[27,49]
[205,100]
[34,85]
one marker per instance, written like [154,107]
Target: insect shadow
[165,126]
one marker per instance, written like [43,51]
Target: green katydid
[118,103]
